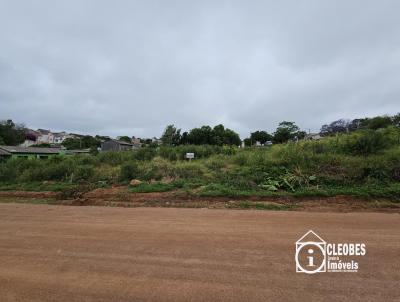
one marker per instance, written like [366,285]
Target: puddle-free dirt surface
[59,253]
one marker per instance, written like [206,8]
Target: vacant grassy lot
[363,164]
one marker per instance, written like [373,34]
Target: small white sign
[189,155]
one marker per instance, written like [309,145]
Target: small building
[30,152]
[4,153]
[60,137]
[259,144]
[45,136]
[312,137]
[28,142]
[136,142]
[156,140]
[116,145]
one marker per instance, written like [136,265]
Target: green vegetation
[84,142]
[157,187]
[11,133]
[363,163]
[205,135]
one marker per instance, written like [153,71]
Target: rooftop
[35,150]
[4,152]
[121,142]
[43,131]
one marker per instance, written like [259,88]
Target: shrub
[84,172]
[129,170]
[145,153]
[114,157]
[149,171]
[58,171]
[107,173]
[365,143]
[241,159]
[216,162]
[188,170]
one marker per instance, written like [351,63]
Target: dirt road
[60,253]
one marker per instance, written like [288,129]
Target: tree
[396,120]
[379,122]
[260,136]
[231,138]
[247,142]
[286,131]
[184,138]
[339,126]
[301,134]
[125,138]
[84,142]
[201,136]
[205,135]
[11,134]
[171,136]
[357,124]
[219,136]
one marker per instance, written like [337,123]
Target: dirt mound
[120,196]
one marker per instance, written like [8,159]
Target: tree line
[374,123]
[205,135]
[14,134]
[285,132]
[219,135]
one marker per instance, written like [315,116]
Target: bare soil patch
[121,197]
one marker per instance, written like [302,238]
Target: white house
[60,137]
[45,137]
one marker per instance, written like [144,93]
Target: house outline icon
[317,242]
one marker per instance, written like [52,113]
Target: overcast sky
[132,67]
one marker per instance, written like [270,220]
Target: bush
[188,170]
[107,173]
[146,153]
[85,172]
[114,157]
[365,143]
[129,170]
[216,162]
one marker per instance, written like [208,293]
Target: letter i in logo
[310,258]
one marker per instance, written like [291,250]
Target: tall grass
[363,158]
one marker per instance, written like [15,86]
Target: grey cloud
[131,67]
